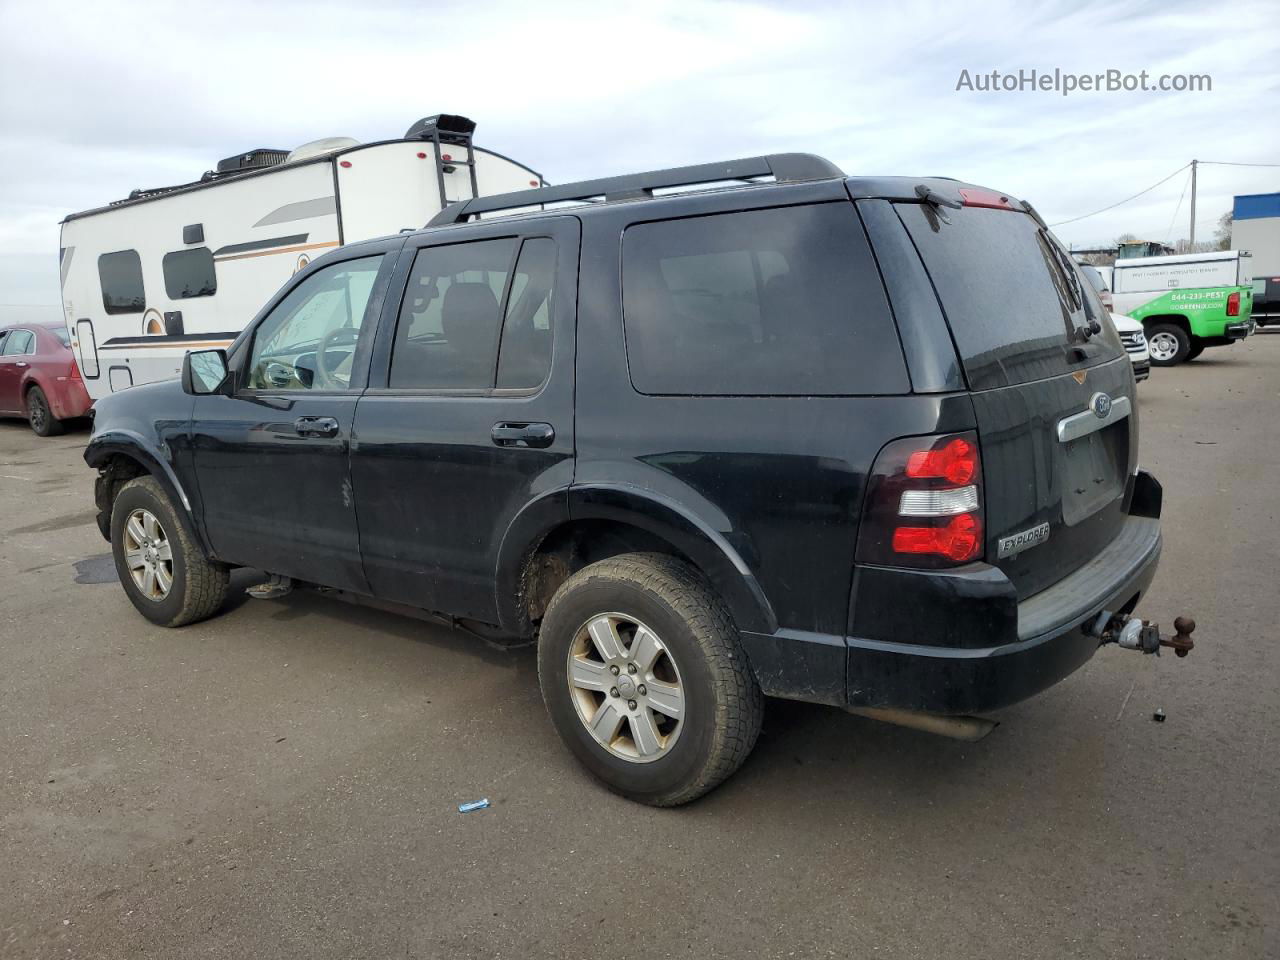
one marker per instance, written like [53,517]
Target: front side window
[785,301]
[189,273]
[19,343]
[308,342]
[120,274]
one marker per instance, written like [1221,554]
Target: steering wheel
[342,336]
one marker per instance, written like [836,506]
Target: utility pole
[1193,203]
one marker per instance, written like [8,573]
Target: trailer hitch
[1132,633]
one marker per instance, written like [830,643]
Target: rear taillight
[1233,305]
[923,506]
[74,372]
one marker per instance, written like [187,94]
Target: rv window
[326,310]
[447,334]
[121,277]
[189,273]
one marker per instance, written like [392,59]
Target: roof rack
[783,167]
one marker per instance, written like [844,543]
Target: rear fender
[709,549]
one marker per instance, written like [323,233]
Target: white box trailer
[147,278]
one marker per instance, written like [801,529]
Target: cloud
[97,99]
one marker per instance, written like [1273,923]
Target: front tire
[164,574]
[1168,344]
[40,414]
[645,681]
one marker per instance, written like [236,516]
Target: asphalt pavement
[283,780]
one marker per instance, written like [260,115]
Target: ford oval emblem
[1100,404]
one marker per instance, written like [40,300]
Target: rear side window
[785,301]
[524,357]
[19,343]
[189,273]
[121,276]
[447,335]
[1010,295]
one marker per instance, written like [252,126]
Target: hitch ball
[1181,641]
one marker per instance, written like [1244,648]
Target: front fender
[122,442]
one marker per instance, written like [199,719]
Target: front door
[272,459]
[468,418]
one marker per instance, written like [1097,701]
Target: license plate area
[1093,471]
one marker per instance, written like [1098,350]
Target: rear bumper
[1238,331]
[68,399]
[957,668]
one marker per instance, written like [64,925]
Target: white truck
[168,270]
[1186,302]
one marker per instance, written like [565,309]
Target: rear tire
[622,730]
[40,414]
[1168,344]
[162,571]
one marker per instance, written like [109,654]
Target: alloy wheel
[148,555]
[626,687]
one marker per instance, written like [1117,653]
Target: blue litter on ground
[473,805]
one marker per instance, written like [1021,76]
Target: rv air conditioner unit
[318,148]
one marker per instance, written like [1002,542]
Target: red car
[39,379]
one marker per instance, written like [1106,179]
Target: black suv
[709,434]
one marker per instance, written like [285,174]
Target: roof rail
[783,167]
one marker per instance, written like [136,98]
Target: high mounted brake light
[923,504]
[974,197]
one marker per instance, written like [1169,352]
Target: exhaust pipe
[970,729]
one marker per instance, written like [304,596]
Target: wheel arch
[558,535]
[1177,319]
[120,456]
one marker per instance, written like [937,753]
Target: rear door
[1054,406]
[469,413]
[15,360]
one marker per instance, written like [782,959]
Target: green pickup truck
[1188,302]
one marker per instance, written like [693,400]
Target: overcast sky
[99,98]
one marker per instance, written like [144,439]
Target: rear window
[763,302]
[61,334]
[1010,294]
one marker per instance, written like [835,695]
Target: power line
[1228,163]
[1125,200]
[1168,234]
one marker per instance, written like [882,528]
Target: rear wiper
[937,201]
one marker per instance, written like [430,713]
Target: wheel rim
[626,687]
[1163,346]
[37,411]
[148,555]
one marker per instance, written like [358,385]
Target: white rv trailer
[169,270]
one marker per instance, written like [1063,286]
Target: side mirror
[205,372]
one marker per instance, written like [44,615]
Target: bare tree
[1223,233]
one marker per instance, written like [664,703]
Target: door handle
[512,434]
[316,427]
[21,363]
